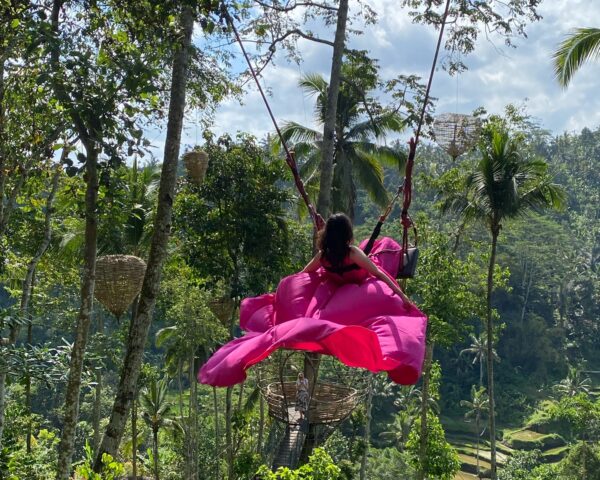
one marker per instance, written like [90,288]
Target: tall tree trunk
[261,425]
[134,433]
[481,372]
[312,360]
[138,331]
[155,452]
[134,436]
[217,436]
[71,411]
[28,382]
[327,149]
[477,450]
[27,289]
[367,437]
[2,402]
[97,415]
[185,425]
[524,309]
[193,418]
[490,350]
[2,159]
[424,410]
[228,432]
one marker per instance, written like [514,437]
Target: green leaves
[320,466]
[441,459]
[580,46]
[232,228]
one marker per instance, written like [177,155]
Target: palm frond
[542,196]
[315,85]
[577,48]
[369,173]
[164,335]
[311,164]
[377,127]
[294,133]
[391,157]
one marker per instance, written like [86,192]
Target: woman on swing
[339,257]
[342,303]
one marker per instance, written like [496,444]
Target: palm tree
[358,158]
[157,414]
[503,185]
[577,48]
[573,384]
[477,407]
[398,431]
[478,349]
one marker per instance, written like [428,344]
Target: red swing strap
[405,219]
[289,155]
[406,187]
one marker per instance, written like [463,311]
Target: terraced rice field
[526,439]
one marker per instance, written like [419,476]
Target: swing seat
[409,263]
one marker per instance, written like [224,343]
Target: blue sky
[497,75]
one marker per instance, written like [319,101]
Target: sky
[496,76]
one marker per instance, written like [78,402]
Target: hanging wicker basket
[329,402]
[222,309]
[196,164]
[456,133]
[118,281]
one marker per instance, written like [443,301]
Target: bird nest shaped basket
[329,402]
[222,308]
[196,165]
[456,133]
[118,281]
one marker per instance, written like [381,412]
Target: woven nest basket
[118,281]
[222,308]
[456,133]
[196,164]
[329,402]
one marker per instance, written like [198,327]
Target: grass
[524,439]
[555,454]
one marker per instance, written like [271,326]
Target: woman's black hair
[334,240]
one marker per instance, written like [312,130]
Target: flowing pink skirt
[355,317]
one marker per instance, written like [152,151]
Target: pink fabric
[354,317]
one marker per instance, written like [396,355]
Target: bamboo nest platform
[196,165]
[118,281]
[330,403]
[456,133]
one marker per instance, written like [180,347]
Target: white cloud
[496,76]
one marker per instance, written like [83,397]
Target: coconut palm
[137,188]
[574,51]
[503,185]
[398,431]
[573,384]
[157,414]
[358,158]
[477,408]
[478,349]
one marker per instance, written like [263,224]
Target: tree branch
[290,7]
[300,33]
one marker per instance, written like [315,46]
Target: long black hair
[334,240]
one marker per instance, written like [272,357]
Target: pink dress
[350,315]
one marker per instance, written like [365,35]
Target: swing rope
[289,155]
[405,189]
